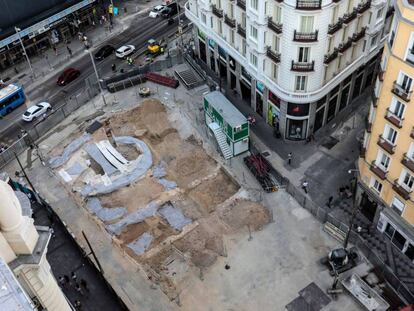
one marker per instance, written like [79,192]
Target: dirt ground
[205,194]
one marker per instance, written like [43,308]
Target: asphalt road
[140,31]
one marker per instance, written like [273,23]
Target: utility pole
[24,50]
[97,76]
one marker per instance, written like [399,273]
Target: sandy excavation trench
[210,202]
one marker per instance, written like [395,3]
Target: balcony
[241,31]
[276,27]
[332,28]
[358,36]
[231,22]
[302,67]
[274,56]
[393,118]
[241,4]
[345,46]
[378,170]
[386,145]
[404,193]
[408,162]
[401,92]
[330,57]
[305,36]
[363,7]
[216,11]
[348,18]
[381,75]
[308,4]
[362,151]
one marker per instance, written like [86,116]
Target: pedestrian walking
[84,285]
[305,186]
[113,67]
[62,281]
[69,51]
[74,276]
[55,49]
[78,289]
[289,157]
[330,199]
[78,305]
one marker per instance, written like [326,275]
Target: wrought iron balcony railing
[393,118]
[378,170]
[274,56]
[303,67]
[401,190]
[332,28]
[350,16]
[386,145]
[216,11]
[330,57]
[308,4]
[305,36]
[276,27]
[363,7]
[230,21]
[401,92]
[408,162]
[241,4]
[241,31]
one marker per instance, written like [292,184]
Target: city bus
[11,97]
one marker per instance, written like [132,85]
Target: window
[376,185]
[274,71]
[254,4]
[211,21]
[300,83]
[410,152]
[243,47]
[397,205]
[220,27]
[203,18]
[253,32]
[230,10]
[306,24]
[393,31]
[374,40]
[232,36]
[397,108]
[277,14]
[243,20]
[275,43]
[406,180]
[383,161]
[380,13]
[253,60]
[303,56]
[390,134]
[405,82]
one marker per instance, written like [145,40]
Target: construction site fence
[156,66]
[323,215]
[65,106]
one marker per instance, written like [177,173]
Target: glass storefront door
[296,129]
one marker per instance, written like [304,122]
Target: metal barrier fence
[64,108]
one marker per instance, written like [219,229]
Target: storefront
[273,110]
[297,121]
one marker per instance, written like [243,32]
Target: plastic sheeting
[69,150]
[104,214]
[143,163]
[174,216]
[96,154]
[140,245]
[167,184]
[134,218]
[159,170]
[75,169]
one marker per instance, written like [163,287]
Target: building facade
[386,163]
[39,32]
[298,62]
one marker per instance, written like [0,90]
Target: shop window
[389,230]
[398,240]
[296,129]
[410,251]
[376,185]
[320,102]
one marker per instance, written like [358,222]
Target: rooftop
[12,296]
[230,113]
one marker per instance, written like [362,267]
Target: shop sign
[260,86]
[274,99]
[298,110]
[232,63]
[201,35]
[211,43]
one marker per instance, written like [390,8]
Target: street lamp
[354,208]
[24,50]
[97,76]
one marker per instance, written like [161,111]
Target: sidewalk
[48,64]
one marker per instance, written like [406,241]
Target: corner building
[386,163]
[299,63]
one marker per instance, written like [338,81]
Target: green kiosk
[227,124]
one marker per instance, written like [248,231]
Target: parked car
[36,111]
[170,10]
[67,76]
[155,12]
[104,52]
[124,51]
